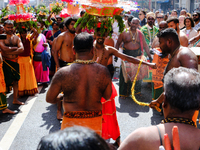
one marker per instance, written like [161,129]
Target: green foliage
[6,11]
[27,25]
[57,8]
[120,23]
[91,22]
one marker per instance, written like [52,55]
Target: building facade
[168,5]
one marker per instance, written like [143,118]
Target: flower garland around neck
[133,91]
[78,61]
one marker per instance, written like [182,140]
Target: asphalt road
[37,118]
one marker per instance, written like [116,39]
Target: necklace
[179,120]
[134,38]
[84,61]
[101,55]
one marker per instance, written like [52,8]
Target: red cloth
[110,127]
[27,48]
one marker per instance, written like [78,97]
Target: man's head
[183,12]
[150,19]
[8,26]
[69,23]
[130,17]
[163,25]
[181,20]
[196,16]
[174,13]
[73,138]
[142,14]
[160,17]
[83,42]
[182,89]
[135,23]
[173,23]
[188,22]
[168,38]
[99,37]
[23,33]
[55,25]
[62,27]
[58,19]
[126,16]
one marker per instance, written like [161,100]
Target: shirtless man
[83,83]
[63,44]
[174,23]
[180,56]
[11,47]
[132,47]
[181,100]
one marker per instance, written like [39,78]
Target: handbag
[129,70]
[37,56]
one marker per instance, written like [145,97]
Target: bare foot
[59,115]
[8,111]
[16,102]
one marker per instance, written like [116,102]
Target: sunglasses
[159,17]
[140,14]
[194,15]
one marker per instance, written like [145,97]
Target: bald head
[163,25]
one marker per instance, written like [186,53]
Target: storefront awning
[163,1]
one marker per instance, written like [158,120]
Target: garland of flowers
[133,91]
[57,8]
[92,22]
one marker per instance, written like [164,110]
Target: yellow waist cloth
[27,84]
[2,81]
[89,119]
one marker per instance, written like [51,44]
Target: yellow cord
[133,91]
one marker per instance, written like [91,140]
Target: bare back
[189,137]
[83,86]
[183,57]
[64,43]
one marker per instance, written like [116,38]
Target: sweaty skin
[126,38]
[64,44]
[11,47]
[183,57]
[80,92]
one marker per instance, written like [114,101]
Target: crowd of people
[78,65]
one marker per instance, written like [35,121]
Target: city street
[37,118]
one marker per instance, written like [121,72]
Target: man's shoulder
[140,136]
[143,28]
